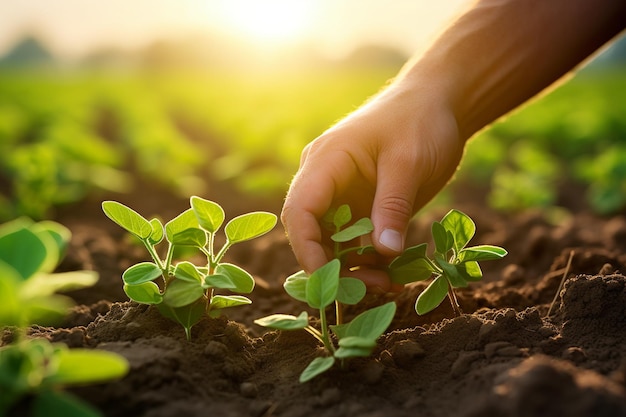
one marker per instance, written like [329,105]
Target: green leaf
[372,323]
[11,308]
[317,367]
[187,271]
[78,366]
[190,237]
[444,240]
[47,284]
[249,226]
[185,220]
[231,277]
[481,253]
[461,226]
[55,237]
[180,293]
[141,272]
[146,293]
[357,342]
[352,352]
[295,285]
[470,271]
[412,265]
[350,290]
[157,232]
[432,296]
[219,302]
[186,316]
[342,216]
[454,276]
[55,403]
[409,255]
[284,321]
[22,249]
[210,215]
[359,228]
[323,284]
[128,219]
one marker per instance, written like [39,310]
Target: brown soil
[504,357]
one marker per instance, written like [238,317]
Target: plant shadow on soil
[503,357]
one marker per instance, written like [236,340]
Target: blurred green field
[66,135]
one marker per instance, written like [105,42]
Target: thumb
[396,188]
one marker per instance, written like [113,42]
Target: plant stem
[338,312]
[453,300]
[153,254]
[325,339]
[168,261]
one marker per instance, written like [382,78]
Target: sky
[72,28]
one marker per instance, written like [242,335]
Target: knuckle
[396,207]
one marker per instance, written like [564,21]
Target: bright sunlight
[268,21]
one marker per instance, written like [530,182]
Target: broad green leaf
[339,329]
[185,220]
[127,218]
[10,307]
[295,285]
[210,215]
[146,293]
[47,284]
[461,226]
[45,310]
[322,285]
[411,266]
[22,249]
[453,275]
[432,296]
[231,277]
[56,403]
[443,240]
[284,321]
[359,228]
[187,271]
[180,293]
[350,290]
[470,271]
[141,272]
[249,226]
[357,342]
[78,366]
[371,323]
[157,234]
[190,237]
[481,253]
[55,237]
[186,316]
[317,367]
[342,216]
[219,302]
[352,352]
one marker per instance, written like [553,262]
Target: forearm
[502,52]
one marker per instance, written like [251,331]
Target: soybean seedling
[323,288]
[187,291]
[453,265]
[37,369]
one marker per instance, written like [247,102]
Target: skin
[398,150]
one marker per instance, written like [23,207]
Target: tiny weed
[325,287]
[452,265]
[187,290]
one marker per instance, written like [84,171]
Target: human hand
[386,160]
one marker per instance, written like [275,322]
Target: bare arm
[392,155]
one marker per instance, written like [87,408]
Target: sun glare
[267,21]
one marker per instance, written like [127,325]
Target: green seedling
[37,368]
[452,265]
[186,292]
[323,288]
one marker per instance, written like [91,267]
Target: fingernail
[391,239]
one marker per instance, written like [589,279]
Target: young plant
[187,291]
[37,368]
[323,288]
[452,265]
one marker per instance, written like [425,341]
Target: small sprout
[323,288]
[452,265]
[187,291]
[37,368]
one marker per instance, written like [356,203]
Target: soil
[511,354]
